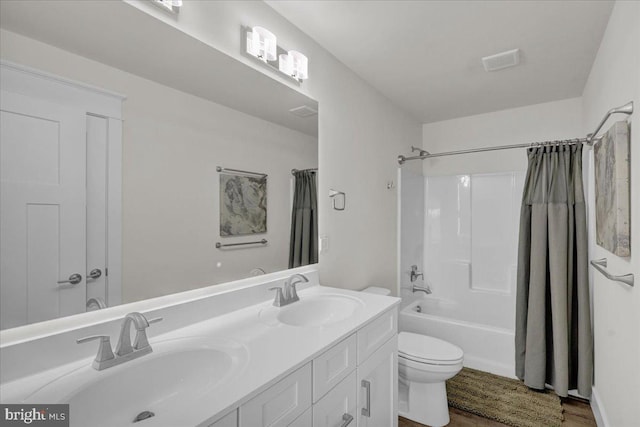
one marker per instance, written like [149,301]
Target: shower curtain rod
[589,140]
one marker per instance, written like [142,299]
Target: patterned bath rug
[503,399]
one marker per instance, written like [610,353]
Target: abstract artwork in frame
[243,205]
[612,172]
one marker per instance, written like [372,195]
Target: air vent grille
[304,111]
[502,60]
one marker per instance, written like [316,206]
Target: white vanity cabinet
[354,383]
[280,404]
[229,420]
[378,382]
[339,406]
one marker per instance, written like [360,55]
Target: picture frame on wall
[612,190]
[243,205]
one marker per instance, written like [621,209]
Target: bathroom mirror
[192,118]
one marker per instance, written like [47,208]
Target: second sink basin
[313,311]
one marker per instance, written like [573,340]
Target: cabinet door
[333,366]
[280,404]
[338,407]
[304,420]
[378,387]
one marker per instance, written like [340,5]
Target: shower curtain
[303,248]
[554,343]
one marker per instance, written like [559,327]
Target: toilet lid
[426,349]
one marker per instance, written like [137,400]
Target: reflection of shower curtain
[554,344]
[303,248]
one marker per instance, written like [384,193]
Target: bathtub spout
[425,289]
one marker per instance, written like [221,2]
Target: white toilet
[424,364]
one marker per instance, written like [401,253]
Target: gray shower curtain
[554,343]
[303,247]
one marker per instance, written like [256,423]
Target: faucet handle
[278,301]
[141,341]
[104,349]
[293,293]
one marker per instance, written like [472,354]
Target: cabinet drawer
[333,366]
[339,406]
[280,404]
[229,420]
[376,333]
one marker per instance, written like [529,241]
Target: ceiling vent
[303,111]
[499,61]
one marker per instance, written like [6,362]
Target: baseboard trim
[598,409]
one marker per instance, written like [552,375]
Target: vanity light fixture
[170,5]
[294,64]
[262,44]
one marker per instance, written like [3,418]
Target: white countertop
[273,352]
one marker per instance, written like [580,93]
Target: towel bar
[224,245]
[601,264]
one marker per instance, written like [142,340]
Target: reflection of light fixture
[171,5]
[261,43]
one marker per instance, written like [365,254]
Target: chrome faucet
[425,289]
[288,293]
[124,350]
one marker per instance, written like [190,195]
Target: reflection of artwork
[612,173]
[243,205]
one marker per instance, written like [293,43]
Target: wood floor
[577,413]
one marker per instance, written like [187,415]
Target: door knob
[74,279]
[94,274]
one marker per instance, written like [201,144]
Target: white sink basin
[177,371]
[313,311]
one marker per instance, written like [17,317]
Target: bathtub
[487,348]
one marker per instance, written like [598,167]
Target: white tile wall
[470,243]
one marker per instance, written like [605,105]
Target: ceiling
[425,56]
[180,61]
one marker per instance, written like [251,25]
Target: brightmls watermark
[34,415]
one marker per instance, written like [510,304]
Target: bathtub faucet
[425,289]
[415,273]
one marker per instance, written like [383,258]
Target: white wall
[172,143]
[360,136]
[540,122]
[615,80]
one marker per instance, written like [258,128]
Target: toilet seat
[428,350]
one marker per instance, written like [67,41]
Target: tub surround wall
[471,240]
[615,80]
[173,141]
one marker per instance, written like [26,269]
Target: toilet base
[427,403]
